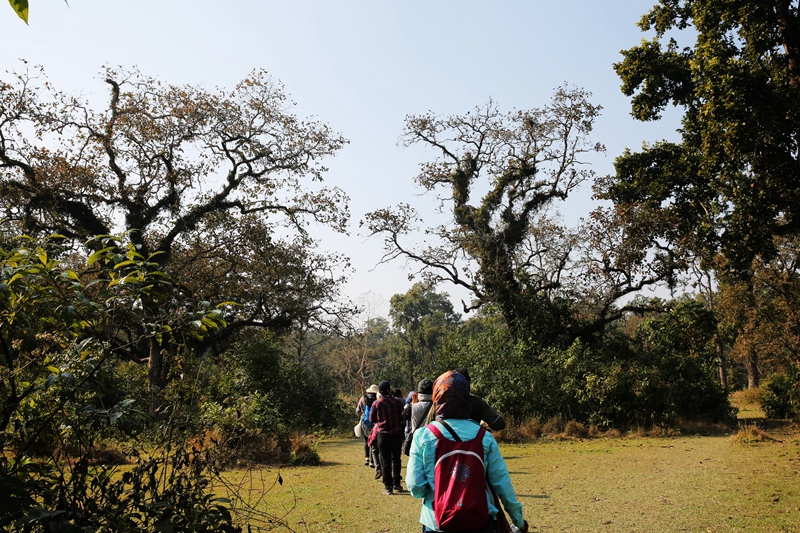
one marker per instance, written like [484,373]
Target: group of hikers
[454,463]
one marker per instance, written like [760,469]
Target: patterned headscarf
[451,396]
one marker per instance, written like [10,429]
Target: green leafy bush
[246,429]
[59,339]
[302,396]
[666,373]
[781,398]
[169,492]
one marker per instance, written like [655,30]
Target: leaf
[68,315]
[92,258]
[21,8]
[164,525]
[210,323]
[123,264]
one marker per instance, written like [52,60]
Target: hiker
[480,410]
[416,409]
[468,476]
[362,409]
[416,413]
[385,414]
[411,398]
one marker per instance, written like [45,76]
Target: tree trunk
[753,375]
[723,365]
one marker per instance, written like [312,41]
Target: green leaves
[21,8]
[735,169]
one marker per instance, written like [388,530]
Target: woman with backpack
[455,467]
[363,409]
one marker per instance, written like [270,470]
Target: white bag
[357,430]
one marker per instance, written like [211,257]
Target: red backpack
[459,501]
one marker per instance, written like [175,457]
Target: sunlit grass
[626,484]
[748,401]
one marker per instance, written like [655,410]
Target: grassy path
[697,484]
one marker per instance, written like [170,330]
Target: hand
[524,527]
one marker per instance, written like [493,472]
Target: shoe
[378,474]
[388,492]
[398,488]
[371,465]
[366,462]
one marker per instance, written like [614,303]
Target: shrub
[666,373]
[526,431]
[302,396]
[749,434]
[781,398]
[554,426]
[304,450]
[244,430]
[748,396]
[575,430]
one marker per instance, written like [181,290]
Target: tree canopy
[733,181]
[499,171]
[216,186]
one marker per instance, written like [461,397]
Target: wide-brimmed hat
[373,389]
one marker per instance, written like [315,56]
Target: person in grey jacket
[417,412]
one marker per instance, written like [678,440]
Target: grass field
[624,484]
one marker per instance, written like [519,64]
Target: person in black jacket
[480,410]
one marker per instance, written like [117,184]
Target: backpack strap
[433,429]
[448,428]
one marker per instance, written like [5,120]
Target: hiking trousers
[389,447]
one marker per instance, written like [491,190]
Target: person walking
[452,405]
[363,409]
[385,414]
[480,411]
[416,412]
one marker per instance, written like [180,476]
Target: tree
[760,314]
[524,161]
[733,181]
[215,186]
[421,318]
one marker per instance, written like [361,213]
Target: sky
[361,67]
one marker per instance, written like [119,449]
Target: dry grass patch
[554,426]
[574,429]
[750,434]
[524,432]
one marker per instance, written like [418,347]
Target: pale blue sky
[360,66]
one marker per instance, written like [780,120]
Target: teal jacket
[422,459]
